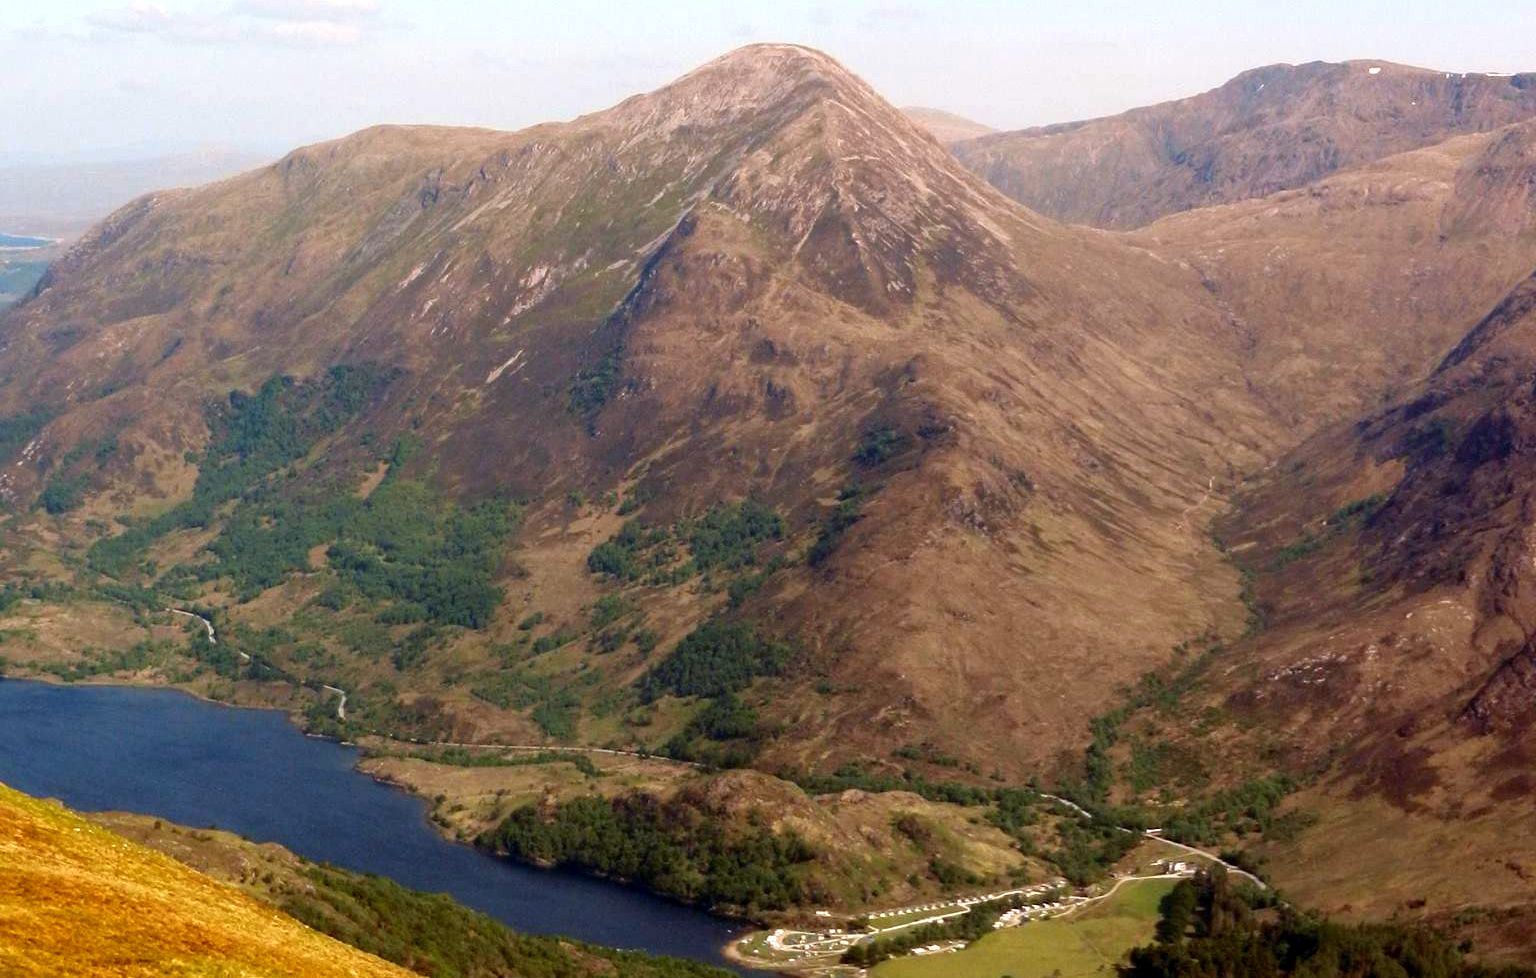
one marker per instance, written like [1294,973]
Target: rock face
[1508,698]
[1266,130]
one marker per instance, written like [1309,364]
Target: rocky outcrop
[1507,700]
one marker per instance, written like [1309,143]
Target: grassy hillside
[127,895]
[76,899]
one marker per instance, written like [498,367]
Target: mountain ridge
[1265,130]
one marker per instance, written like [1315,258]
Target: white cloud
[311,32]
[311,11]
[298,23]
[136,18]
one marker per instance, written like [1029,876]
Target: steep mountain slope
[740,421]
[1266,130]
[1392,560]
[946,127]
[761,280]
[1346,292]
[76,899]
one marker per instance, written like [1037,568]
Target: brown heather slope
[1395,575]
[78,900]
[771,261]
[1266,130]
[1346,292]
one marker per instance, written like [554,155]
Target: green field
[1087,944]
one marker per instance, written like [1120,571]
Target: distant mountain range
[946,126]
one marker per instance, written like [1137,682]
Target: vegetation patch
[554,707]
[1208,927]
[594,386]
[726,733]
[18,429]
[879,445]
[638,553]
[728,538]
[716,658]
[672,847]
[433,935]
[846,513]
[252,436]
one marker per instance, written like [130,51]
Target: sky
[113,79]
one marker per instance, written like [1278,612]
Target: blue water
[162,753]
[22,241]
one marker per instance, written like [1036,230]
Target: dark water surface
[162,753]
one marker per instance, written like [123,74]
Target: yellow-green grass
[1086,944]
[79,900]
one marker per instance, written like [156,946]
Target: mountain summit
[761,281]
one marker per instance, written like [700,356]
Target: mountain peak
[757,61]
[745,84]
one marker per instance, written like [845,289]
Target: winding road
[341,703]
[610,751]
[1234,870]
[1157,834]
[212,638]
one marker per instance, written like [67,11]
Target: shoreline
[740,926]
[424,805]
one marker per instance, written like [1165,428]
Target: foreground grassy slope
[123,896]
[430,933]
[75,899]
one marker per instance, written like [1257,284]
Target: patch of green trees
[672,847]
[1209,928]
[716,658]
[432,934]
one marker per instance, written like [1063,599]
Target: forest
[433,935]
[672,847]
[1210,928]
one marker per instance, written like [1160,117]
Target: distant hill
[1266,130]
[947,127]
[60,200]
